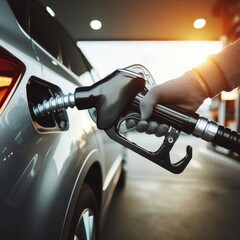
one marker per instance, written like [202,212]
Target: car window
[42,28]
[71,54]
[20,9]
[48,32]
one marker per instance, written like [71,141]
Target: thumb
[146,106]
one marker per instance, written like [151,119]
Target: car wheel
[86,218]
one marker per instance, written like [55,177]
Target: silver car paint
[41,173]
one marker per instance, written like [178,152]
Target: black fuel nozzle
[109,97]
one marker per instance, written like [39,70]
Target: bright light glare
[164,59]
[54,62]
[95,24]
[50,11]
[229,95]
[199,23]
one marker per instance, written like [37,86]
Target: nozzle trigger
[162,156]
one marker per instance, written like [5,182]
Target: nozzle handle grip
[179,118]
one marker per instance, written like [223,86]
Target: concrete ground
[202,203]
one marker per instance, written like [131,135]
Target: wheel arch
[94,176]
[91,174]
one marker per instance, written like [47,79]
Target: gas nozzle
[110,97]
[113,98]
[116,97]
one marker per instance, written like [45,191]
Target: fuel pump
[116,98]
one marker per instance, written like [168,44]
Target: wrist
[194,93]
[201,81]
[211,77]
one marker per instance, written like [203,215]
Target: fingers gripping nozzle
[160,157]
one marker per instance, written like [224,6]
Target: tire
[85,222]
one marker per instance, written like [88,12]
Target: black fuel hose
[194,124]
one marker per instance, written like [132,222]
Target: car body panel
[41,172]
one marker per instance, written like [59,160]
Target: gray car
[57,173]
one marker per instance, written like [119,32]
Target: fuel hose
[194,124]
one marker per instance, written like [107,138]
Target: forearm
[220,72]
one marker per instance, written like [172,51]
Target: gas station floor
[201,203]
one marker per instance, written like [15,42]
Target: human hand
[185,92]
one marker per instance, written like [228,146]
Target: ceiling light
[50,11]
[199,23]
[95,24]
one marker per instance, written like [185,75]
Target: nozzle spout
[54,104]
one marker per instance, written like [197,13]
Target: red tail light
[11,71]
